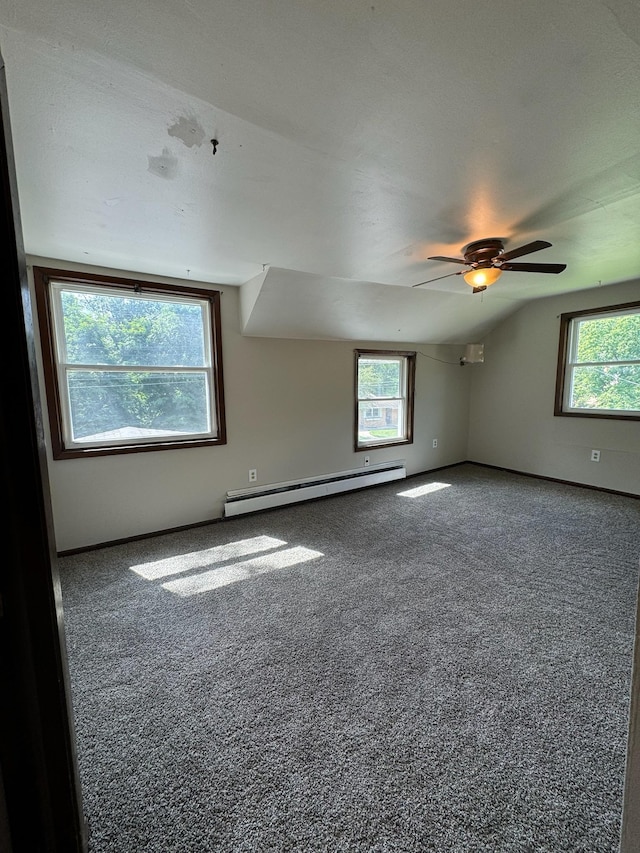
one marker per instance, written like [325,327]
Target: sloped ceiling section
[283,303]
[354,140]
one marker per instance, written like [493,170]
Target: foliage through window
[129,365]
[384,398]
[599,363]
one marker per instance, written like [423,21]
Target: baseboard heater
[278,494]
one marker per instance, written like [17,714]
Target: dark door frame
[630,836]
[40,799]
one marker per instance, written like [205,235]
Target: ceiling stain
[189,131]
[164,166]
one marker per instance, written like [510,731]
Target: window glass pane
[387,426]
[379,377]
[117,329]
[609,339]
[606,387]
[112,405]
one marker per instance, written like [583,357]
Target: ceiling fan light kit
[482,277]
[487,260]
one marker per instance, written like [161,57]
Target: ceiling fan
[487,260]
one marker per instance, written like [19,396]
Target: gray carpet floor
[447,671]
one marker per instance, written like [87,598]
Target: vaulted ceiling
[354,140]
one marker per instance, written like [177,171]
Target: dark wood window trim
[565,325]
[411,381]
[42,277]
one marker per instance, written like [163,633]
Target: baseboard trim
[83,549]
[555,480]
[86,548]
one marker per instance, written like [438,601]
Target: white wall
[511,422]
[289,406]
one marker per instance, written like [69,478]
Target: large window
[129,365]
[384,398]
[599,363]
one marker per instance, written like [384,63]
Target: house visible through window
[372,414]
[599,363]
[384,398]
[129,365]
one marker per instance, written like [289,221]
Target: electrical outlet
[253,475]
[595,455]
[435,442]
[366,461]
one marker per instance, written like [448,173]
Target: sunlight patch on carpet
[240,571]
[199,559]
[419,491]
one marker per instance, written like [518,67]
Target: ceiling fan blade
[450,260]
[436,279]
[554,268]
[525,250]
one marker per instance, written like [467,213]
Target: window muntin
[129,365]
[384,398]
[599,363]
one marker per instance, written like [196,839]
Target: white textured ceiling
[355,139]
